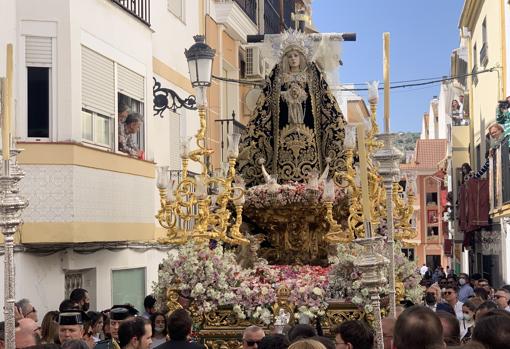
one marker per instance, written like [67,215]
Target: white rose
[317,291]
[198,289]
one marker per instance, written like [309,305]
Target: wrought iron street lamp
[200,57]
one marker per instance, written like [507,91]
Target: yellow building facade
[482,26]
[483,32]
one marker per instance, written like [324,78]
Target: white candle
[365,199]
[329,190]
[386,71]
[7,106]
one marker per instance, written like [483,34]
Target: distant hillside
[407,141]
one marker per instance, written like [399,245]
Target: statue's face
[294,59]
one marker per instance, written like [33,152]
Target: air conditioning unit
[255,64]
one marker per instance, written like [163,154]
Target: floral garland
[283,195]
[211,278]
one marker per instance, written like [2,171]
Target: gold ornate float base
[221,329]
[294,234]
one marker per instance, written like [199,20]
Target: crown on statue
[294,40]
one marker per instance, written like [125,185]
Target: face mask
[85,306]
[462,282]
[159,329]
[430,299]
[468,317]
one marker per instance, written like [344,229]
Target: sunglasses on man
[251,343]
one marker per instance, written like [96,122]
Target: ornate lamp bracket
[162,101]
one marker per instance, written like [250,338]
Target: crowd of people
[457,312]
[462,302]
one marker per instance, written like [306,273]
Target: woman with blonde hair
[307,344]
[49,328]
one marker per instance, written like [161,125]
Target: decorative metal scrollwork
[161,100]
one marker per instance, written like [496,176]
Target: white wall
[443,112]
[168,131]
[105,261]
[41,278]
[7,29]
[433,127]
[171,35]
[507,36]
[505,250]
[38,278]
[8,35]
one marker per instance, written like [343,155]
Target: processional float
[300,182]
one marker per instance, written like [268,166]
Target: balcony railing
[249,7]
[500,177]
[141,9]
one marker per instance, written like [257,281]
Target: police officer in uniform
[118,315]
[70,325]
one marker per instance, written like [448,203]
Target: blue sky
[423,34]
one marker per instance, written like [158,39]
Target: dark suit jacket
[180,345]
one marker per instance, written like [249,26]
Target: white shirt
[157,342]
[458,310]
[423,270]
[464,326]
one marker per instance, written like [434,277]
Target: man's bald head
[252,336]
[418,327]
[24,338]
[252,329]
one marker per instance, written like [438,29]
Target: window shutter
[38,51]
[130,83]
[98,82]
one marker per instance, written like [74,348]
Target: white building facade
[91,221]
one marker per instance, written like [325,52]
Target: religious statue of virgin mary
[297,127]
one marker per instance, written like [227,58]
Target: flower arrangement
[345,278]
[200,273]
[211,278]
[308,286]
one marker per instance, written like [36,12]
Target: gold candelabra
[188,210]
[348,180]
[403,213]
